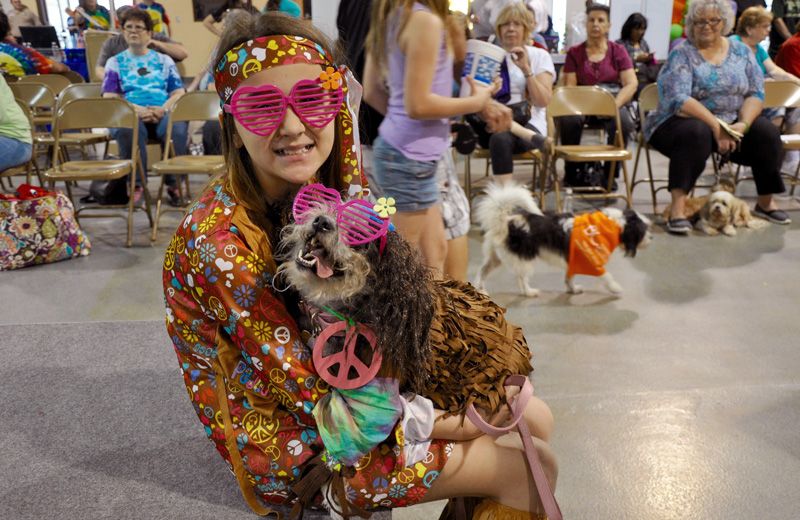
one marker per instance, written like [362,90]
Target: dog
[723,212]
[516,233]
[428,331]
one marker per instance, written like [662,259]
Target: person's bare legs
[503,179]
[767,202]
[457,260]
[424,230]
[481,467]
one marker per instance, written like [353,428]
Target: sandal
[775,216]
[679,226]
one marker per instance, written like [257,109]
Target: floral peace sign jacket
[248,370]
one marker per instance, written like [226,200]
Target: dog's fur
[517,233]
[723,212]
[720,212]
[395,294]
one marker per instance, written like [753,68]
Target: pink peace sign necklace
[346,358]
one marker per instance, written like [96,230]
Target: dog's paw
[729,231]
[710,231]
[614,288]
[530,292]
[574,289]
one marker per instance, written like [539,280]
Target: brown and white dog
[723,213]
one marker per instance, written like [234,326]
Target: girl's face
[597,24]
[637,33]
[293,153]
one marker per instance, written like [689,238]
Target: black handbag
[521,113]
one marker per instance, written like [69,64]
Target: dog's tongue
[324,270]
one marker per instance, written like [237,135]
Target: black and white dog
[516,233]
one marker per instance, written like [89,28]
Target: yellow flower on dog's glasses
[330,78]
[384,207]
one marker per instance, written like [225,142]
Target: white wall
[323,14]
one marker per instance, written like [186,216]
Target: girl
[416,131]
[244,359]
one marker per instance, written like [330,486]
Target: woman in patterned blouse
[245,360]
[708,79]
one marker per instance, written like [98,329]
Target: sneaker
[679,226]
[776,216]
[173,196]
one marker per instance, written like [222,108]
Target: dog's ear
[400,306]
[633,232]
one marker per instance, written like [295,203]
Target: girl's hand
[482,92]
[520,58]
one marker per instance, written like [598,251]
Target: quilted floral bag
[38,227]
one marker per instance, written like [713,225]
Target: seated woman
[644,61]
[527,74]
[15,130]
[597,61]
[751,29]
[16,60]
[710,79]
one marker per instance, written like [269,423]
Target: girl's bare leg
[457,260]
[424,230]
[481,467]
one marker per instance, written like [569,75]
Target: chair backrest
[96,113]
[35,95]
[200,105]
[94,41]
[80,91]
[581,101]
[648,99]
[73,76]
[56,82]
[781,94]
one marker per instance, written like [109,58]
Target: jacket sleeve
[235,290]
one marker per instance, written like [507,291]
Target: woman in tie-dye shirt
[16,60]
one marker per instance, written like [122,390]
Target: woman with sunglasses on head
[409,52]
[708,83]
[241,344]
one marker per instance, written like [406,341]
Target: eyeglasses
[135,28]
[711,22]
[261,109]
[356,220]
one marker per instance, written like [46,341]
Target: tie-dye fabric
[22,61]
[99,19]
[159,16]
[146,80]
[352,422]
[247,366]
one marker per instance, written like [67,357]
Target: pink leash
[517,408]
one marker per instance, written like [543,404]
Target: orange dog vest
[594,238]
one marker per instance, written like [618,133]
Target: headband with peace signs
[265,52]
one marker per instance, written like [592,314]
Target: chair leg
[628,189]
[158,210]
[652,180]
[556,190]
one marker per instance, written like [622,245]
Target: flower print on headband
[263,53]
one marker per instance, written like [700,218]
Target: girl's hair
[723,7]
[381,10]
[634,21]
[241,178]
[516,12]
[752,17]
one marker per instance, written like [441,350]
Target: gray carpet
[96,424]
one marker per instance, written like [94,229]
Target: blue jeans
[124,138]
[412,183]
[13,152]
